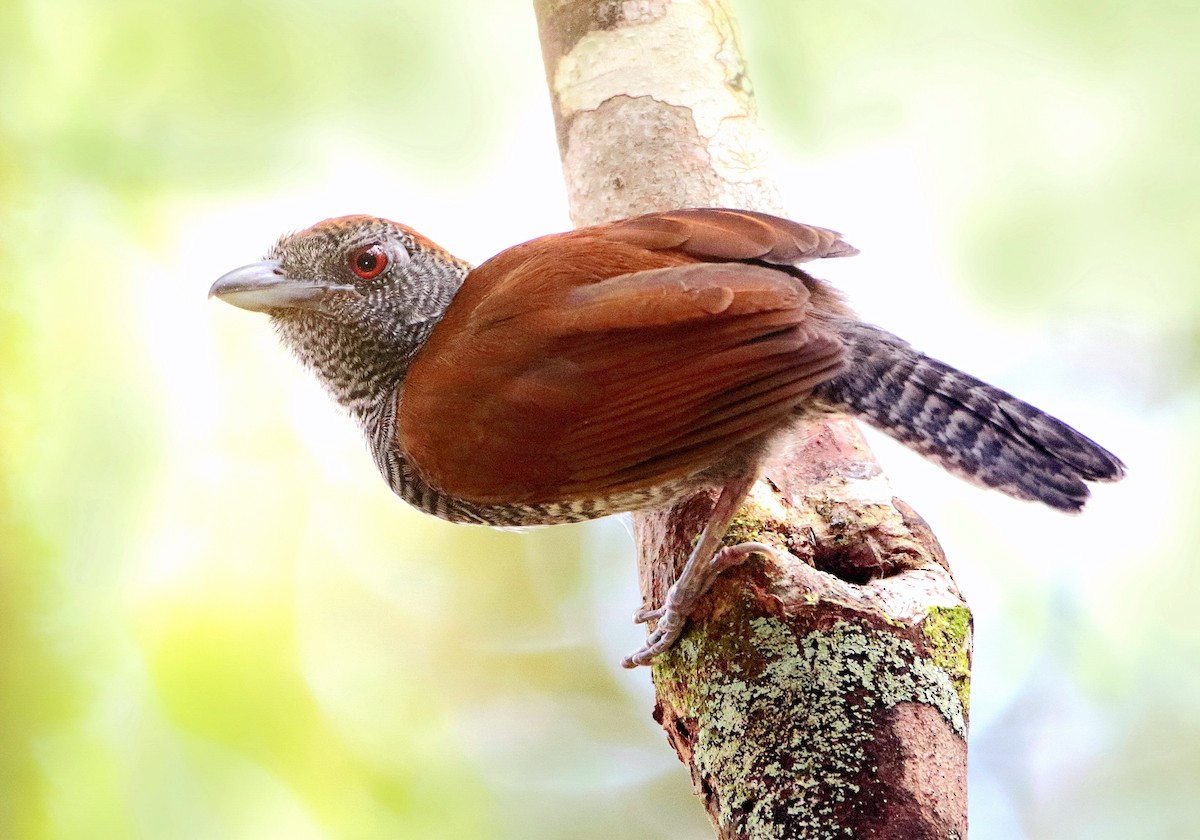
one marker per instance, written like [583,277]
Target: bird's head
[354,297]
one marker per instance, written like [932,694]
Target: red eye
[368,262]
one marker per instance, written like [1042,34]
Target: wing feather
[719,234]
[592,388]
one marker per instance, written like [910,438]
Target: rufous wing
[559,373]
[713,234]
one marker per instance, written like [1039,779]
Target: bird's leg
[703,567]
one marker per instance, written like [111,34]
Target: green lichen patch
[783,740]
[947,632]
[754,523]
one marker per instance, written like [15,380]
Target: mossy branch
[823,693]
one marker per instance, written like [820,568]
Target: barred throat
[356,365]
[974,430]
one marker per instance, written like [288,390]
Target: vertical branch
[653,108]
[823,694]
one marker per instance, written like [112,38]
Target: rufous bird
[623,367]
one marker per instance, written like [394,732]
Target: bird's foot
[682,597]
[642,616]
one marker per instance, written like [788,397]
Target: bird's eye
[368,262]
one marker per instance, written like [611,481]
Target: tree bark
[822,693]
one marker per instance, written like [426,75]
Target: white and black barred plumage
[971,428]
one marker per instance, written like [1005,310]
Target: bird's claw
[670,626]
[642,616]
[681,600]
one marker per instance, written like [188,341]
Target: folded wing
[563,374]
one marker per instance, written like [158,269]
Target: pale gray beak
[263,287]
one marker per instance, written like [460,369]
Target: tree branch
[825,693]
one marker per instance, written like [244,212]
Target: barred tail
[975,431]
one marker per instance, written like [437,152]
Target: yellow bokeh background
[215,621]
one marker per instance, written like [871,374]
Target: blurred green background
[215,622]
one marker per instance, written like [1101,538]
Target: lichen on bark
[948,635]
[821,692]
[783,725]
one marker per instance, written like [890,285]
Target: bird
[623,367]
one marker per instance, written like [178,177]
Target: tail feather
[974,430]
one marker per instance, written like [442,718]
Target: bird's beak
[264,286]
